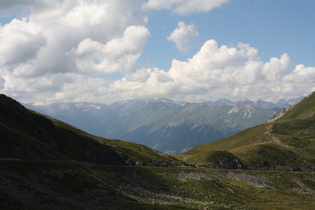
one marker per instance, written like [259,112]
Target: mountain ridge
[160,123]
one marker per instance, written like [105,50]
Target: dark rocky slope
[28,135]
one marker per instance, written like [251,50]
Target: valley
[48,164]
[162,124]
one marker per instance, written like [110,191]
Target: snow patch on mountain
[233,110]
[243,108]
[175,124]
[96,107]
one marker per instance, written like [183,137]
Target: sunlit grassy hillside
[286,144]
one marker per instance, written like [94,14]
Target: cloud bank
[62,44]
[68,50]
[221,72]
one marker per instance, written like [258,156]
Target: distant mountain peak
[224,102]
[247,101]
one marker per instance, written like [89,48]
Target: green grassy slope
[69,185]
[28,135]
[286,144]
[303,110]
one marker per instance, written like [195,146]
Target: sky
[189,50]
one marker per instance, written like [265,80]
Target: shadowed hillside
[69,185]
[27,135]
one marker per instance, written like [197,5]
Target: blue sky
[273,27]
[106,51]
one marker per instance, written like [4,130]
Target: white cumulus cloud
[222,72]
[183,36]
[20,41]
[117,55]
[68,40]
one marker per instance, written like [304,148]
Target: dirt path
[268,133]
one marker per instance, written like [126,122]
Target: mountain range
[48,164]
[162,124]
